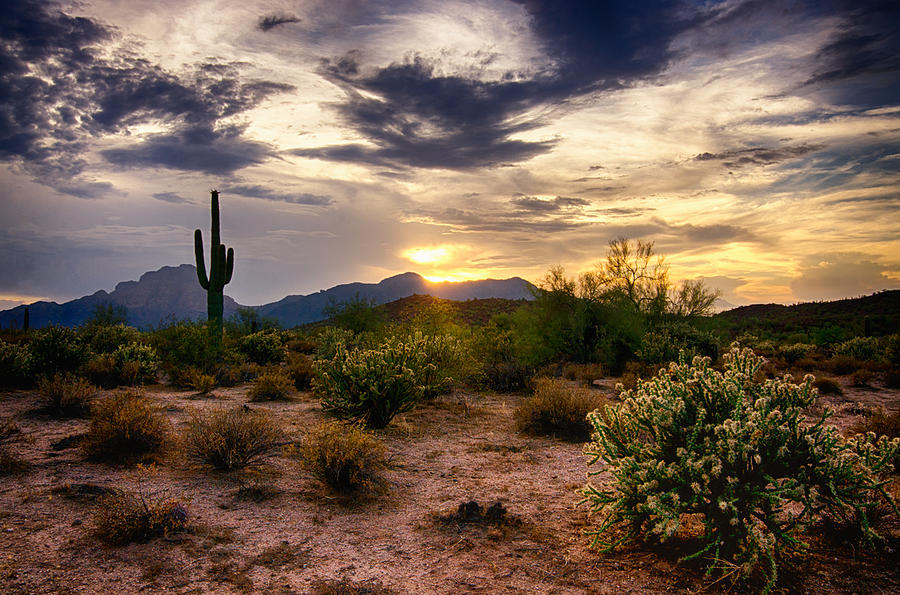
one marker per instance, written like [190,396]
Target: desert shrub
[664,342]
[331,339]
[828,386]
[793,352]
[184,344]
[10,463]
[557,409]
[842,365]
[125,428]
[369,385]
[103,338]
[344,457]
[733,451]
[201,382]
[56,349]
[892,378]
[232,439]
[301,344]
[439,360]
[867,349]
[15,365]
[501,369]
[125,517]
[890,346]
[136,363]
[881,423]
[583,373]
[263,347]
[301,370]
[273,384]
[101,370]
[67,395]
[861,377]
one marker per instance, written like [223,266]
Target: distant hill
[302,309]
[882,309]
[476,311]
[173,292]
[156,296]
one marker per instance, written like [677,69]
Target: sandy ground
[299,538]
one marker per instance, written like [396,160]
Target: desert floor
[281,531]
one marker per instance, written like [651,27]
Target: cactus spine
[221,267]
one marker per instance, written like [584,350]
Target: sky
[755,142]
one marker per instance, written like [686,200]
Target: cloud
[534,204]
[170,197]
[758,156]
[68,81]
[258,191]
[269,22]
[413,114]
[841,275]
[193,149]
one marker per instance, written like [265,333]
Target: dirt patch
[472,506]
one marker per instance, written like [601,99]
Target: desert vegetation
[725,466]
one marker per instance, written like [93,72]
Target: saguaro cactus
[221,267]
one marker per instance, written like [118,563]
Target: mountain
[173,292]
[156,296]
[301,309]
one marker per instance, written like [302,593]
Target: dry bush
[828,386]
[861,378]
[583,373]
[346,458]
[558,409]
[125,517]
[126,428]
[66,395]
[232,439]
[201,382]
[272,385]
[842,365]
[301,370]
[9,462]
[880,422]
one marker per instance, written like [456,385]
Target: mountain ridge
[172,292]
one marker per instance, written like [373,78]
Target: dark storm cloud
[198,149]
[257,191]
[865,48]
[758,156]
[58,92]
[416,117]
[271,21]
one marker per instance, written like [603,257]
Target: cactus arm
[229,266]
[198,255]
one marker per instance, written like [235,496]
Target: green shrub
[733,451]
[102,370]
[232,439]
[344,457]
[263,347]
[124,517]
[301,369]
[136,363]
[15,365]
[557,409]
[67,395]
[184,344]
[867,349]
[272,385]
[439,361]
[331,339]
[795,351]
[57,349]
[664,342]
[369,385]
[125,428]
[102,338]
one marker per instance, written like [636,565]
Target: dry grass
[346,458]
[558,409]
[232,439]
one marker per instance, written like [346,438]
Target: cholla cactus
[734,450]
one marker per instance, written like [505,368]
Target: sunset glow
[757,144]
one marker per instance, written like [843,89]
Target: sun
[433,255]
